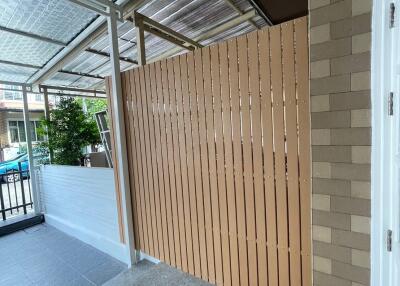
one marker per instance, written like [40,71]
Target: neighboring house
[12,130]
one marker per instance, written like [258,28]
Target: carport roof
[36,34]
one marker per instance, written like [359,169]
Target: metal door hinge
[392,15]
[389,235]
[390,104]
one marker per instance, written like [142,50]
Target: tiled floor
[42,255]
[146,273]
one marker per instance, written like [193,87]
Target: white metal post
[47,116]
[141,50]
[120,137]
[35,194]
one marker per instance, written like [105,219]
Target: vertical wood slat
[155,187]
[238,160]
[230,184]
[212,167]
[147,162]
[268,155]
[139,152]
[247,159]
[126,96]
[153,183]
[165,193]
[219,158]
[302,71]
[189,160]
[177,206]
[196,164]
[170,200]
[257,158]
[289,83]
[158,162]
[203,190]
[183,166]
[223,208]
[206,168]
[280,160]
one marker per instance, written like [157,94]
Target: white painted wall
[81,202]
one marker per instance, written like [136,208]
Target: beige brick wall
[340,41]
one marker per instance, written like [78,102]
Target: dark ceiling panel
[279,11]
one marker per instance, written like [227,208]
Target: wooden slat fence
[219,157]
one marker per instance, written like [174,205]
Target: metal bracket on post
[35,194]
[145,24]
[120,137]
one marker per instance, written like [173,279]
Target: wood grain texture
[219,158]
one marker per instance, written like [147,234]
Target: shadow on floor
[146,273]
[43,255]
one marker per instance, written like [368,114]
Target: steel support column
[120,136]
[140,44]
[35,194]
[47,116]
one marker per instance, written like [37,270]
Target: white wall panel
[81,202]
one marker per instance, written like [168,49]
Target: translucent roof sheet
[56,19]
[62,21]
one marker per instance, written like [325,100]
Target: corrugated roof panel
[13,73]
[59,20]
[62,20]
[189,17]
[15,48]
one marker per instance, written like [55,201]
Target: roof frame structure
[145,24]
[60,43]
[96,29]
[82,74]
[210,33]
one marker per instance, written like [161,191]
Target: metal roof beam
[64,88]
[81,74]
[149,24]
[20,64]
[240,12]
[60,71]
[211,33]
[15,83]
[32,36]
[107,55]
[61,44]
[99,6]
[77,95]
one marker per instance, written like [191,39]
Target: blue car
[9,167]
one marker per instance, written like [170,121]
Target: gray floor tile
[104,272]
[148,274]
[43,255]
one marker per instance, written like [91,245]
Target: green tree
[93,105]
[70,129]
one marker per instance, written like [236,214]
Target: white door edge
[385,133]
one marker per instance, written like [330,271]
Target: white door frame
[385,133]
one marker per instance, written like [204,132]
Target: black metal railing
[15,193]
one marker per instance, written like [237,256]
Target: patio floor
[147,273]
[43,255]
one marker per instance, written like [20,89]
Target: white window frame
[22,120]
